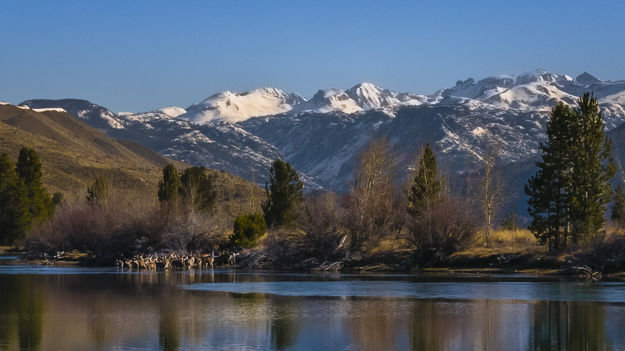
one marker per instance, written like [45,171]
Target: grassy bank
[505,252]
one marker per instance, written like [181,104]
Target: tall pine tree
[168,188]
[593,168]
[14,212]
[570,191]
[427,184]
[284,191]
[28,167]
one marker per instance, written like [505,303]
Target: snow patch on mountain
[172,111]
[107,116]
[53,109]
[193,137]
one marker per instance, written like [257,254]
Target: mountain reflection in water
[108,310]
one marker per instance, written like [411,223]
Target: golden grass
[503,242]
[520,237]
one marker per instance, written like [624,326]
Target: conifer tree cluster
[24,202]
[194,189]
[571,189]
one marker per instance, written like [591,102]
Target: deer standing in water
[232,259]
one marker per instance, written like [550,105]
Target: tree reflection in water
[21,311]
[563,325]
[284,325]
[168,335]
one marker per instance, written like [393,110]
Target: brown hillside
[73,154]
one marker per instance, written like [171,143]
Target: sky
[141,55]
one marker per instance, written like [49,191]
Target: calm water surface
[55,308]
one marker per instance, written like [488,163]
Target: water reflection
[149,311]
[284,324]
[21,313]
[567,326]
[168,335]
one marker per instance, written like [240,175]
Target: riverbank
[509,256]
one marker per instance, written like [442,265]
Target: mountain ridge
[322,140]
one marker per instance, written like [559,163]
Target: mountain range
[242,133]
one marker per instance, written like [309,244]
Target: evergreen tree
[593,168]
[168,187]
[427,185]
[548,199]
[570,191]
[14,212]
[618,209]
[283,192]
[197,189]
[28,168]
[98,192]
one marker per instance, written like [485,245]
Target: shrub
[126,226]
[98,192]
[247,229]
[320,219]
[104,231]
[446,228]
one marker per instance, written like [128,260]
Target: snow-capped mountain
[369,96]
[538,90]
[235,107]
[328,101]
[223,146]
[243,133]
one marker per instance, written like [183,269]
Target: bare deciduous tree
[487,187]
[372,207]
[320,219]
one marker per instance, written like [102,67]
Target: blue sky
[141,55]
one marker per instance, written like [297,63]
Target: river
[70,308]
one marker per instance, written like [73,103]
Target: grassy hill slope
[73,154]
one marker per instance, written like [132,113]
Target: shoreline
[443,272]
